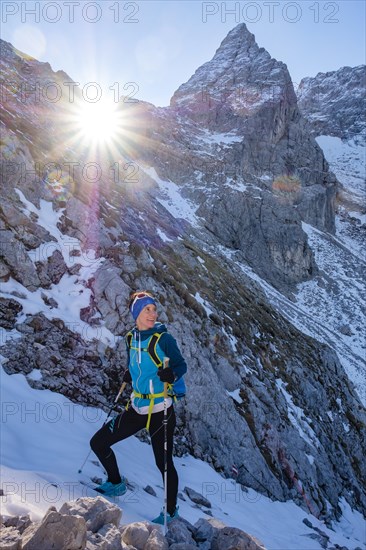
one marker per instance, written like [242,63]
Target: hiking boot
[107,485]
[169,517]
[112,489]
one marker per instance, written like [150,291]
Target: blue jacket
[143,370]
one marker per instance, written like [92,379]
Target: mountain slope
[262,395]
[333,104]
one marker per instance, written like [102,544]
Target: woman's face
[147,317]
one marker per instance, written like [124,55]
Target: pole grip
[121,390]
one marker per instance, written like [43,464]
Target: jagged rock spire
[240,77]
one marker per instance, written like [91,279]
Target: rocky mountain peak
[240,78]
[238,42]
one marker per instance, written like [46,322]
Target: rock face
[73,248]
[338,114]
[245,93]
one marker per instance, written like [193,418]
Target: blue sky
[148,48]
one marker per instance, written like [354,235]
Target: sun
[104,129]
[98,122]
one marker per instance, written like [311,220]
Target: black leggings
[128,423]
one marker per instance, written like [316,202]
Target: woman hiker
[147,345]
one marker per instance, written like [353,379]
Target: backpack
[177,390]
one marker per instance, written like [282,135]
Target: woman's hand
[166,375]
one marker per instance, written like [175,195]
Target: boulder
[56,530]
[107,538]
[232,538]
[156,541]
[136,534]
[17,259]
[206,529]
[96,512]
[197,497]
[9,310]
[10,539]
[180,532]
[19,522]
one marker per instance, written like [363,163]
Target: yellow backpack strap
[151,348]
[129,339]
[152,397]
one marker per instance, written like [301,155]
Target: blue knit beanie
[138,305]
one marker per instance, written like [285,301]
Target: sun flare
[98,122]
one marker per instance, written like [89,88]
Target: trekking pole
[121,390]
[165,422]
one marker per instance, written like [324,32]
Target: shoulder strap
[151,348]
[129,339]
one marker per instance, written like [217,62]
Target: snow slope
[347,160]
[44,441]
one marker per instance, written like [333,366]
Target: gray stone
[56,530]
[30,233]
[96,511]
[17,259]
[107,538]
[136,534]
[150,490]
[328,114]
[156,541]
[4,270]
[207,528]
[128,547]
[111,293]
[179,532]
[346,329]
[182,546]
[10,539]
[9,310]
[51,269]
[197,497]
[232,538]
[19,522]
